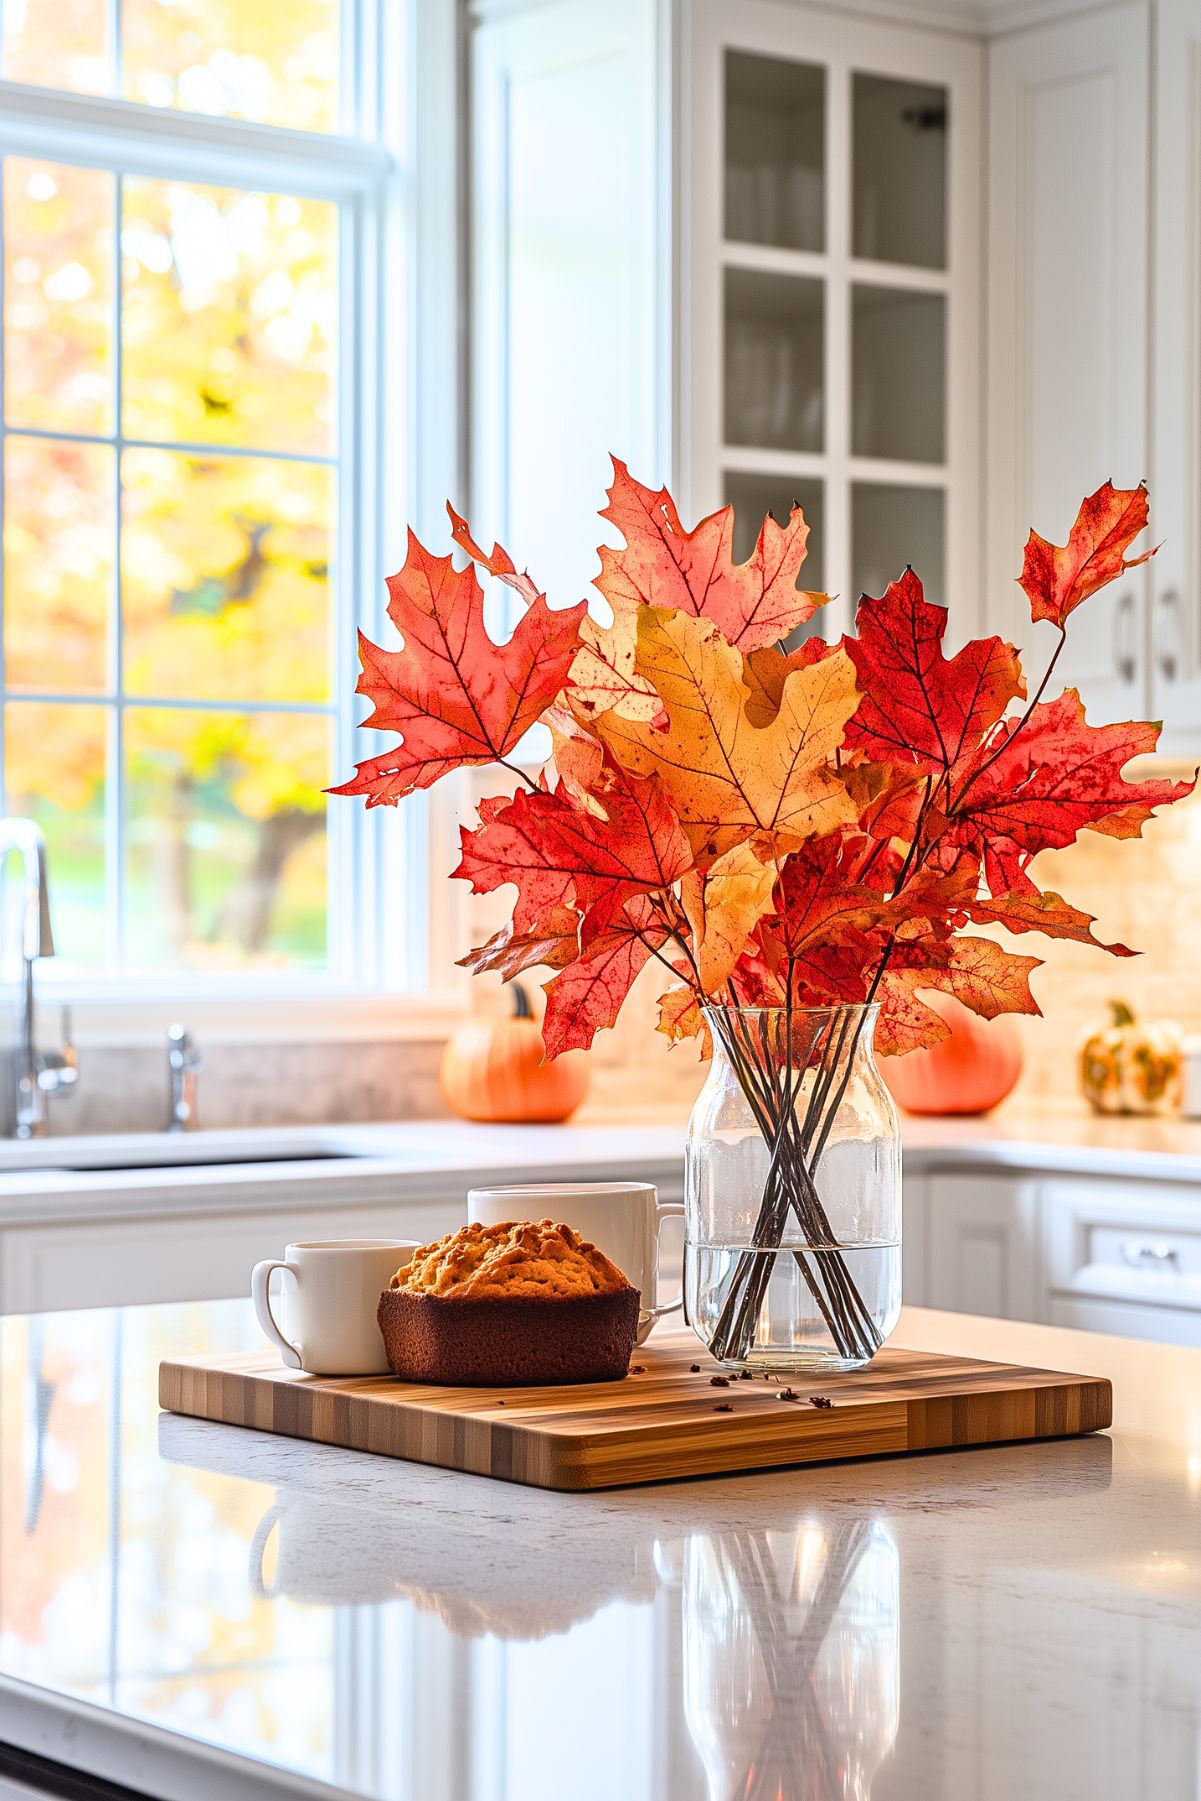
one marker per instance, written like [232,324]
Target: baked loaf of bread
[519,1303]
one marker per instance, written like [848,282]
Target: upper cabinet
[1173,642]
[743,244]
[829,291]
[570,272]
[1067,402]
[1094,337]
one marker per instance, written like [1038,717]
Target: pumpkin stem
[1121,1014]
[521,1002]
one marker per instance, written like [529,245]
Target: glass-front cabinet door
[830,293]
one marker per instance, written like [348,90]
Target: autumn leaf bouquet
[792,829]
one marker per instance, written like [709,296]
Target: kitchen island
[190,1611]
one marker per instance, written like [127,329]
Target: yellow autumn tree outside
[216,590]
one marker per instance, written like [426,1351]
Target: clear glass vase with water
[792,1253]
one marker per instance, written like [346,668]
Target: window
[193,205]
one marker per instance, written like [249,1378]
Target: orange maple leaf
[727,778]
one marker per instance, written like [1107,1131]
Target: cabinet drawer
[1139,1244]
[1123,1319]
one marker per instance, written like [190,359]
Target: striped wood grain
[657,1425]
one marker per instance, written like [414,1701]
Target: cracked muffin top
[520,1260]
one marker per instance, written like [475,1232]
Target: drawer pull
[1141,1255]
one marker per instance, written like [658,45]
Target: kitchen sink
[177,1150]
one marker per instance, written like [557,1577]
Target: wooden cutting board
[661,1423]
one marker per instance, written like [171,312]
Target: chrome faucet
[27,1077]
[183,1060]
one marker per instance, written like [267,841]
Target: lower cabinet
[206,1253]
[982,1245]
[196,1257]
[1124,1257]
[1097,1253]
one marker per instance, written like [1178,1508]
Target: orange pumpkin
[493,1069]
[969,1072]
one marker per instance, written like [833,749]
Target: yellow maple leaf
[723,907]
[728,778]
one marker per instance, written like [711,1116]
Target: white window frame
[397,182]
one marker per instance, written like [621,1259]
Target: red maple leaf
[552,946]
[1057,577]
[1045,912]
[1052,778]
[918,706]
[983,975]
[557,852]
[818,937]
[453,695]
[500,563]
[664,565]
[588,994]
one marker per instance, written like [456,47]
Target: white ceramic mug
[331,1306]
[621,1218]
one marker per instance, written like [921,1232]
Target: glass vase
[792,1189]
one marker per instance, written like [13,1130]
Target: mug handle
[258,1550]
[260,1287]
[667,1210]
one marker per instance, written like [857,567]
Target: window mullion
[355,572]
[114,808]
[115,47]
[165,143]
[3,459]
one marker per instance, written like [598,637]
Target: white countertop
[440,1159]
[200,1611]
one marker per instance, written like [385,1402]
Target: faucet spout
[26,1078]
[27,840]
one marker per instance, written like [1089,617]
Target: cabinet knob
[1141,1254]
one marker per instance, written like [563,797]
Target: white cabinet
[198,1256]
[1096,1252]
[1174,648]
[830,290]
[1067,402]
[1094,203]
[915,1215]
[570,278]
[982,1249]
[740,243]
[1124,1257]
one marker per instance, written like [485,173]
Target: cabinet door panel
[1067,399]
[915,1208]
[982,1250]
[1175,576]
[829,294]
[570,243]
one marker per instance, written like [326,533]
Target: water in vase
[818,1307]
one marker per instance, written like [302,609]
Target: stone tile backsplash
[1146,893]
[124,1089]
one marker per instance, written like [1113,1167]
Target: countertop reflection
[202,1610]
